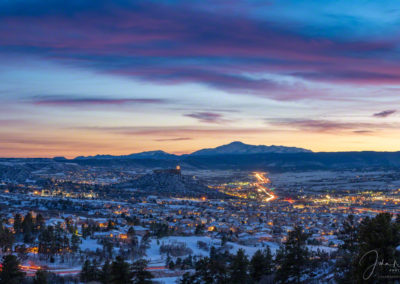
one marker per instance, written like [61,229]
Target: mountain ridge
[238,147]
[233,148]
[157,154]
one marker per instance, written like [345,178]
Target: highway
[260,184]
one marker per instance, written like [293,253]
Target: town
[64,224]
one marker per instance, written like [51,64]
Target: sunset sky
[118,77]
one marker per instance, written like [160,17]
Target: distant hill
[241,156]
[297,161]
[172,183]
[157,155]
[239,148]
[263,161]
[234,148]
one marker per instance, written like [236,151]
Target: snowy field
[336,180]
[154,255]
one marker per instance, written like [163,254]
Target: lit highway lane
[261,188]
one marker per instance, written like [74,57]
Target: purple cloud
[176,131]
[177,43]
[384,113]
[328,125]
[207,117]
[12,122]
[74,101]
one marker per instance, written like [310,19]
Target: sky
[118,77]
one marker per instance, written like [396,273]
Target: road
[31,269]
[260,184]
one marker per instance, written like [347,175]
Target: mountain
[240,156]
[156,155]
[283,162]
[236,148]
[239,148]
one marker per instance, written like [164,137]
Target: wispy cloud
[363,131]
[90,101]
[207,117]
[384,113]
[173,139]
[13,122]
[177,131]
[315,125]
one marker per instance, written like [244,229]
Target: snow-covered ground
[167,280]
[336,180]
[154,256]
[90,244]
[322,248]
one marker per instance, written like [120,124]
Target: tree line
[369,252]
[117,272]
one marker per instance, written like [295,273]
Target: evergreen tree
[41,277]
[378,238]
[178,262]
[269,262]
[223,240]
[219,267]
[140,274]
[108,248]
[145,243]
[75,241]
[105,273]
[27,227]
[10,272]
[260,264]
[347,252]
[187,278]
[94,270]
[58,240]
[131,232]
[257,266]
[199,229]
[187,262]
[90,271]
[348,234]
[210,270]
[85,231]
[168,261]
[239,267]
[85,275]
[213,252]
[398,219]
[40,223]
[6,238]
[110,225]
[45,240]
[293,258]
[17,223]
[120,272]
[65,244]
[204,271]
